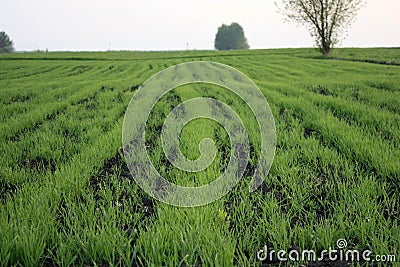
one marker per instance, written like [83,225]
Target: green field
[67,198]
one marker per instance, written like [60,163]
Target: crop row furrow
[32,215]
[30,73]
[375,156]
[58,139]
[378,122]
[294,196]
[35,117]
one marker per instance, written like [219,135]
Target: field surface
[67,198]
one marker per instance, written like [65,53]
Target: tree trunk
[325,49]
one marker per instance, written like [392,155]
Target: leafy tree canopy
[6,44]
[326,20]
[230,37]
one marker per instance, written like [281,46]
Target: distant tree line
[326,20]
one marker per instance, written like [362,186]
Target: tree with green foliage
[326,20]
[230,37]
[6,44]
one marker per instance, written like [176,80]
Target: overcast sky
[171,24]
